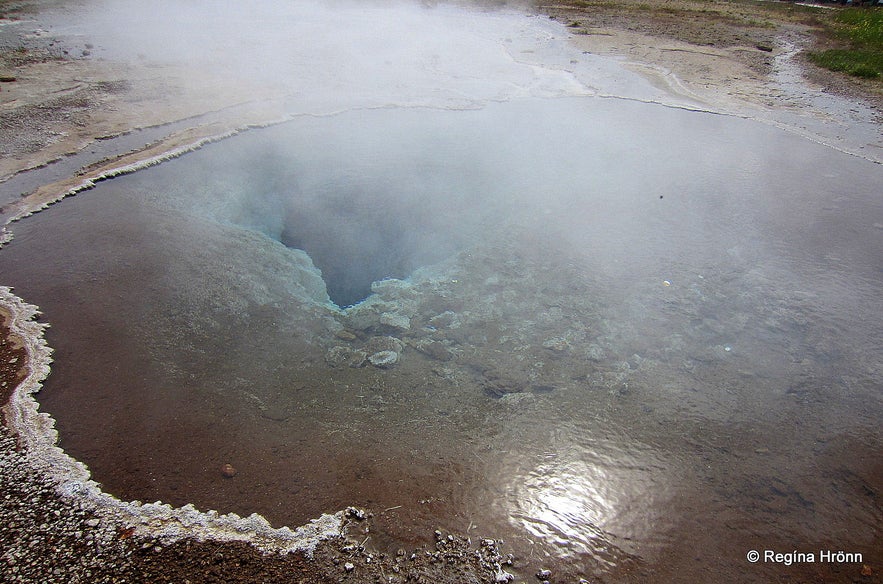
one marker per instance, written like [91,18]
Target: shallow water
[642,341]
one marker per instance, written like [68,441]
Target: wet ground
[632,339]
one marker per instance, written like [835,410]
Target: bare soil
[719,50]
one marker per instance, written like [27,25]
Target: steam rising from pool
[335,55]
[327,57]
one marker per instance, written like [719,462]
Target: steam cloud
[332,55]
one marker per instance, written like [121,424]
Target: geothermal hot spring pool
[626,334]
[623,337]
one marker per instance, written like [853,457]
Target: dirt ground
[56,102]
[717,50]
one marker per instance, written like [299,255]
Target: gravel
[45,537]
[42,535]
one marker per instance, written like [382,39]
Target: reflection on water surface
[632,340]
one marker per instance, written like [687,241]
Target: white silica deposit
[38,438]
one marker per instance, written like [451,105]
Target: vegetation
[860,32]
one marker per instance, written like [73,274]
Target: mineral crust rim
[37,437]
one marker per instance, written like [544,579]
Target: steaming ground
[618,333]
[328,57]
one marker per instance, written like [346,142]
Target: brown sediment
[97,537]
[13,359]
[36,435]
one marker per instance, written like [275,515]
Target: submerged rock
[366,315]
[556,344]
[345,335]
[340,355]
[497,384]
[395,320]
[446,319]
[391,288]
[594,352]
[435,350]
[377,344]
[357,359]
[384,359]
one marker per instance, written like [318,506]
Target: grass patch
[865,64]
[860,30]
[862,26]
